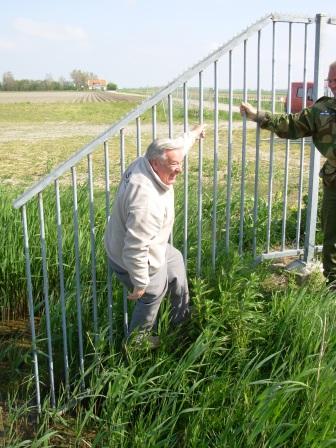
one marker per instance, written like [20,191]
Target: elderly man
[136,237]
[318,121]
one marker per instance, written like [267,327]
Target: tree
[111,86]
[81,78]
[8,81]
[62,81]
[49,81]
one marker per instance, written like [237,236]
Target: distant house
[97,84]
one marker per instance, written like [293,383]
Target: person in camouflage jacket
[319,122]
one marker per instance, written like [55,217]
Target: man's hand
[249,110]
[136,294]
[198,131]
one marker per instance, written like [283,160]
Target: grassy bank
[254,367]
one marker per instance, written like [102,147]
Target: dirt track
[51,131]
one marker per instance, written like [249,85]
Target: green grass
[63,112]
[255,367]
[12,288]
[102,113]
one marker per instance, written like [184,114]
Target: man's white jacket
[142,218]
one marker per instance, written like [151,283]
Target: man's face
[332,80]
[170,167]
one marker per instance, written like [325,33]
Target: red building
[97,84]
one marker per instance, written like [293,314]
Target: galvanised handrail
[152,101]
[87,150]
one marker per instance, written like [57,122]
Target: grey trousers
[171,280]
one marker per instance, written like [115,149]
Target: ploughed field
[66,97]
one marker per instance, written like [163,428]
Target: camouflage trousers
[329,232]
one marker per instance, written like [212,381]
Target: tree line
[79,81]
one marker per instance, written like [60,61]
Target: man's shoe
[145,340]
[153,342]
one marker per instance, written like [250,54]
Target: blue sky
[130,42]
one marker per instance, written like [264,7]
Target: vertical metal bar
[154,122]
[138,136]
[271,156]
[62,291]
[122,158]
[243,169]
[229,161]
[170,135]
[309,249]
[186,178]
[302,145]
[125,309]
[215,170]
[256,177]
[289,99]
[93,251]
[122,151]
[46,300]
[31,307]
[200,179]
[78,282]
[170,116]
[109,270]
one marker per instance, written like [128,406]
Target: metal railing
[231,150]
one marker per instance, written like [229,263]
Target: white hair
[157,149]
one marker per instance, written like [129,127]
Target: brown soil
[66,97]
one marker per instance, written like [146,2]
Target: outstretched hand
[248,110]
[198,131]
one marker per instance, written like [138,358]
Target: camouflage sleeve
[290,126]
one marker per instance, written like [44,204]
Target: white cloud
[49,31]
[6,44]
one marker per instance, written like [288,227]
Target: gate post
[314,166]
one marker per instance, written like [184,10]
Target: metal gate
[233,179]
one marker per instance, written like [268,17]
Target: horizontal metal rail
[154,100]
[288,18]
[286,253]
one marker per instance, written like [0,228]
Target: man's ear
[155,164]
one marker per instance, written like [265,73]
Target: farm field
[38,130]
[255,366]
[65,121]
[66,97]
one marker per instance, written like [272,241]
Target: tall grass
[12,267]
[255,367]
[252,368]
